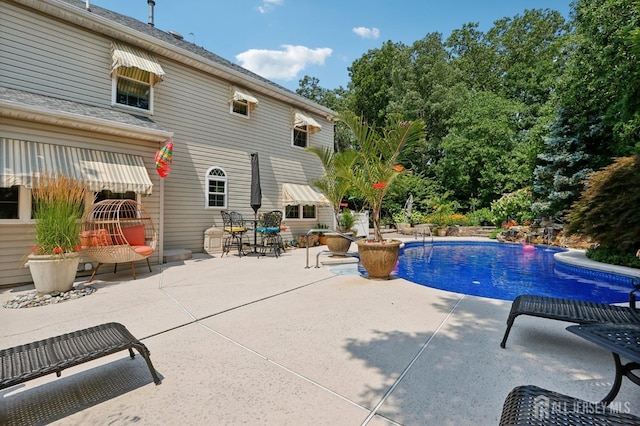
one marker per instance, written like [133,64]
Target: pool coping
[577,257]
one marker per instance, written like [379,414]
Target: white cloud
[365,32]
[282,64]
[267,5]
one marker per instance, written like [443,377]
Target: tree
[376,166]
[482,154]
[371,79]
[596,119]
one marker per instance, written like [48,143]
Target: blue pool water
[503,271]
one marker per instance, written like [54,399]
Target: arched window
[216,188]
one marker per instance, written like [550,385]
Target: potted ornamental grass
[374,171]
[58,203]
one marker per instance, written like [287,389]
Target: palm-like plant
[376,157]
[333,183]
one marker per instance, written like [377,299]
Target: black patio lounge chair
[574,311]
[531,405]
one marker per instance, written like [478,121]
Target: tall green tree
[595,120]
[371,79]
[483,154]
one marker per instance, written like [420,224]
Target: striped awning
[130,57]
[302,120]
[242,95]
[295,194]
[21,162]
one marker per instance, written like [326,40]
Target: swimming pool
[503,271]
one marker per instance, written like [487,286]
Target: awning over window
[294,194]
[242,95]
[129,57]
[23,161]
[301,120]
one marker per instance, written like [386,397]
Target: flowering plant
[376,158]
[58,206]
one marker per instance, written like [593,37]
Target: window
[300,136]
[216,188]
[134,72]
[241,101]
[15,204]
[9,202]
[300,212]
[105,194]
[240,107]
[133,88]
[124,213]
[303,126]
[292,212]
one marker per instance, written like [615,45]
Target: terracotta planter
[53,273]
[322,240]
[337,243]
[379,258]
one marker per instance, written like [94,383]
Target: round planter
[322,240]
[379,258]
[337,243]
[53,273]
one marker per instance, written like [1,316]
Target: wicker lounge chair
[531,405]
[118,231]
[574,311]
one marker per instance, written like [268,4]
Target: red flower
[57,250]
[398,168]
[78,248]
[379,185]
[35,248]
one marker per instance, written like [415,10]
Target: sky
[284,40]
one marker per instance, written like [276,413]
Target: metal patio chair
[235,229]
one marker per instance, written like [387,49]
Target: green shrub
[609,209]
[514,206]
[613,256]
[481,217]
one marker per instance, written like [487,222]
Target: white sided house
[94,94]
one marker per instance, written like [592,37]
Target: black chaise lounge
[25,362]
[531,405]
[574,311]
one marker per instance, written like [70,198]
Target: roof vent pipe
[87,6]
[151,3]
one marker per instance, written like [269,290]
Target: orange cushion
[134,235]
[95,238]
[143,250]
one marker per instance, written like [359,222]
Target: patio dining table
[623,340]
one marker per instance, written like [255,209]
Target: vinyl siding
[50,57]
[42,55]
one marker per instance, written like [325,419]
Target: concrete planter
[337,243]
[379,258]
[53,273]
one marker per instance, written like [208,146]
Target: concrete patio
[266,341]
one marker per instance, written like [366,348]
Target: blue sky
[284,40]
